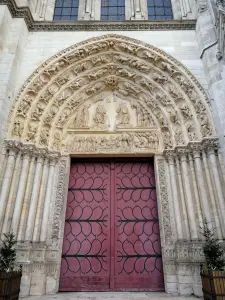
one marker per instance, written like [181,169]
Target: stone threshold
[111,296]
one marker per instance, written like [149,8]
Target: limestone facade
[94,93]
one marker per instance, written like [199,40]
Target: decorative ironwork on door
[111,236]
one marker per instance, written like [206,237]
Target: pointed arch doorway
[111,236]
[159,109]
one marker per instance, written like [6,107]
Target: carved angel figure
[186,112]
[57,140]
[90,144]
[139,65]
[32,129]
[99,60]
[97,74]
[168,68]
[123,116]
[62,79]
[63,117]
[161,119]
[76,85]
[131,89]
[140,141]
[17,129]
[191,132]
[129,48]
[184,83]
[82,119]
[200,108]
[179,136]
[163,99]
[148,55]
[122,59]
[161,79]
[56,67]
[126,141]
[167,140]
[61,97]
[94,88]
[173,116]
[126,73]
[80,68]
[50,115]
[205,126]
[44,136]
[80,53]
[143,117]
[174,93]
[37,112]
[147,84]
[25,105]
[100,117]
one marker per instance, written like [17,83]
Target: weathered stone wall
[13,39]
[182,170]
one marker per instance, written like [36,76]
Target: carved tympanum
[154,90]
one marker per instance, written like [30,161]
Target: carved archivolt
[109,91]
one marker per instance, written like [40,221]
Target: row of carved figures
[125,141]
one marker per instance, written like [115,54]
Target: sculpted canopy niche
[111,93]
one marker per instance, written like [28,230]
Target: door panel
[111,236]
[138,263]
[85,258]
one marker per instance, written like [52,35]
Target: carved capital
[13,145]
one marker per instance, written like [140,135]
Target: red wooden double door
[111,235]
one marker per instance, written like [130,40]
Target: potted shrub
[212,272]
[10,275]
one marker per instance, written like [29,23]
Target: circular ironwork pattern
[85,248]
[138,239]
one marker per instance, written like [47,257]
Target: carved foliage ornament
[110,63]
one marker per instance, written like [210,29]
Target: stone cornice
[32,25]
[30,148]
[191,147]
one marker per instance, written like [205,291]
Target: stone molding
[192,147]
[60,200]
[30,148]
[163,202]
[133,25]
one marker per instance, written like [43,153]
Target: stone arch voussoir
[155,100]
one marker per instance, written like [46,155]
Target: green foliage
[8,253]
[212,249]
